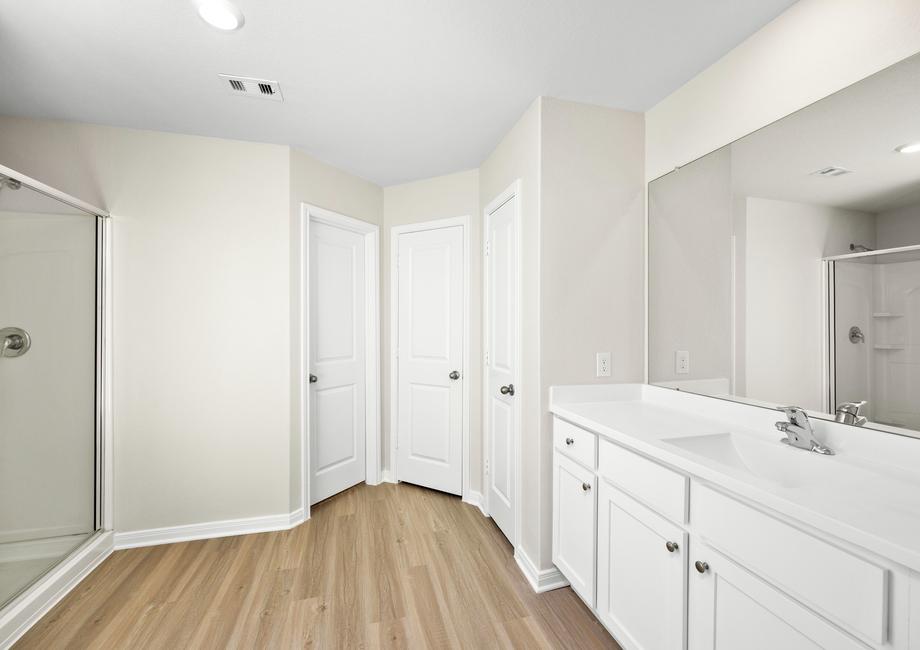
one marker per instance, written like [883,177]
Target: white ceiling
[857,128]
[389,90]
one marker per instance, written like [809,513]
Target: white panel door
[430,351]
[641,573]
[501,372]
[337,360]
[729,608]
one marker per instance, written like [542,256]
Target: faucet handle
[795,414]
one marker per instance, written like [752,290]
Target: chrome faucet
[848,413]
[799,432]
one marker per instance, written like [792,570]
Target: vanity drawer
[660,488]
[845,588]
[575,442]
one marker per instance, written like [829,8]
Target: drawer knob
[702,567]
[671,546]
[569,442]
[585,486]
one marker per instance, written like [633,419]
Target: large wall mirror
[784,269]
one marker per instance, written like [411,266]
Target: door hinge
[486,464]
[485,358]
[487,247]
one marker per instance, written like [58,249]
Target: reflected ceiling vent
[831,171]
[250,87]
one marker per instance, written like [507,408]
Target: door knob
[702,567]
[671,546]
[313,379]
[454,375]
[507,390]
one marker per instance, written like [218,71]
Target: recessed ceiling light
[913,147]
[221,14]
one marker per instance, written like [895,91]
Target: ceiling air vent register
[250,87]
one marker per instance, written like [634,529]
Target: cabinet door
[641,573]
[729,608]
[574,524]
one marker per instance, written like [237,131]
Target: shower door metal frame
[32,603]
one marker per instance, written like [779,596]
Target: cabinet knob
[313,379]
[702,567]
[585,486]
[569,442]
[507,390]
[671,546]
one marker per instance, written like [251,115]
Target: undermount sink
[773,462]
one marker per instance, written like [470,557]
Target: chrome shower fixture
[11,183]
[859,248]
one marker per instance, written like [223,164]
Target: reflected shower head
[859,248]
[12,183]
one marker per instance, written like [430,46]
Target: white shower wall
[47,400]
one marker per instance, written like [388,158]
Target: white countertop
[867,494]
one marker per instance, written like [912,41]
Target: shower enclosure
[52,343]
[874,334]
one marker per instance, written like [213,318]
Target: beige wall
[517,156]
[784,295]
[453,195]
[592,234]
[206,307]
[813,49]
[690,269]
[326,187]
[201,321]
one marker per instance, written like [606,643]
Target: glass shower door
[48,485]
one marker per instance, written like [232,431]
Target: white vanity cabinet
[575,522]
[670,562]
[730,608]
[641,572]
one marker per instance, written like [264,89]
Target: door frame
[511,193]
[395,232]
[312,213]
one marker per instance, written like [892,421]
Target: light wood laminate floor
[385,566]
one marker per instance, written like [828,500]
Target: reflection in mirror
[772,278]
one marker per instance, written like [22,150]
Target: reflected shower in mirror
[785,268]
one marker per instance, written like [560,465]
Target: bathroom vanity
[683,522]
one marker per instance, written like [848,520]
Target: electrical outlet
[603,364]
[682,362]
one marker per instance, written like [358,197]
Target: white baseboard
[296,518]
[37,600]
[474,498]
[208,530]
[545,580]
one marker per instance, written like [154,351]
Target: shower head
[859,248]
[12,183]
